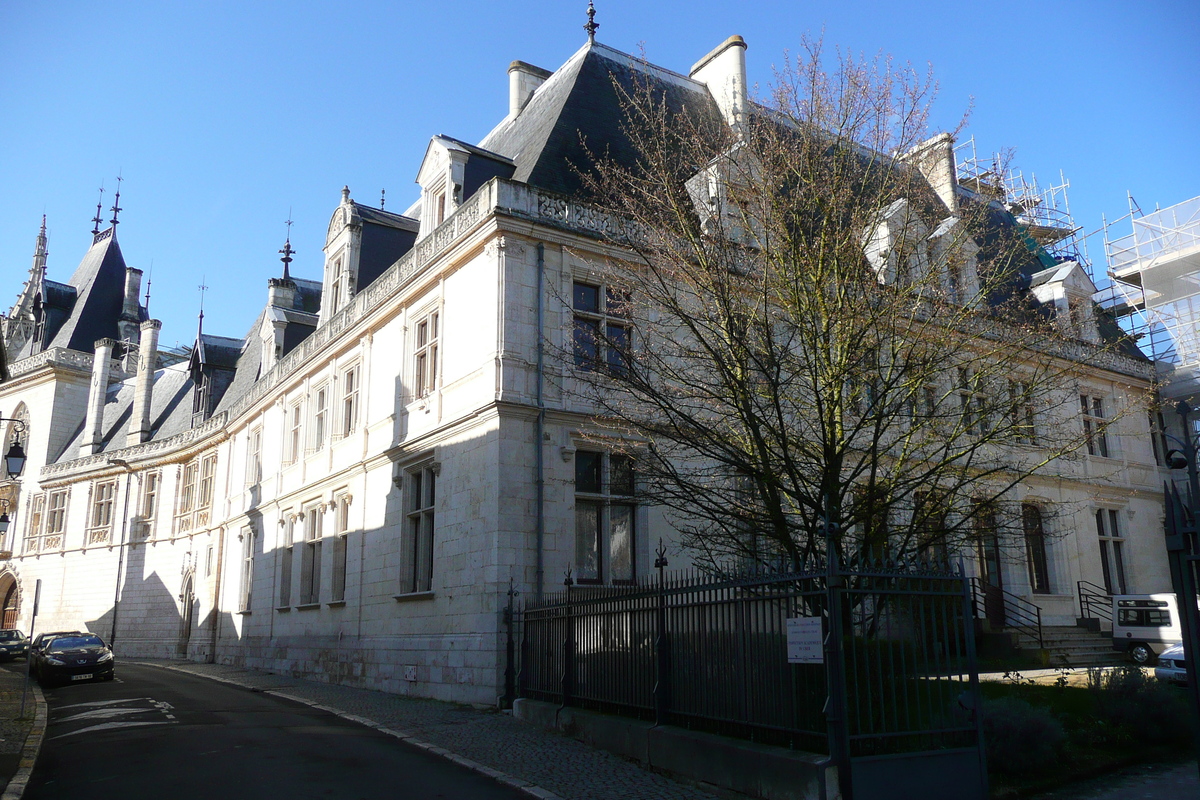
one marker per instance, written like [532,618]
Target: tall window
[605,511]
[254,457]
[100,525]
[335,299]
[425,355]
[148,504]
[929,524]
[186,502]
[310,559]
[295,426]
[417,575]
[1093,425]
[1112,556]
[1020,412]
[320,416]
[285,561]
[37,513]
[56,521]
[973,405]
[349,401]
[247,538]
[1035,548]
[208,473]
[341,523]
[601,336]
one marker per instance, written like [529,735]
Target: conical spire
[39,250]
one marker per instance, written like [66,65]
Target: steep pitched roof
[99,284]
[577,113]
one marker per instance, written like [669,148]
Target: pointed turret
[39,251]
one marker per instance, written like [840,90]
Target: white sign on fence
[804,640]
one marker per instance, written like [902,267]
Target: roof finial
[96,220]
[591,24]
[149,275]
[116,209]
[345,194]
[382,198]
[203,288]
[287,249]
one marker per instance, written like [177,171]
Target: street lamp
[14,459]
[4,520]
[1183,552]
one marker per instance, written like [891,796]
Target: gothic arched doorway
[12,600]
[188,599]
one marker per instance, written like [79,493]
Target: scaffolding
[1044,212]
[1156,273]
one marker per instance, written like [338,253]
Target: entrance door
[992,579]
[12,602]
[189,600]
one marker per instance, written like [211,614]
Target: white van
[1144,625]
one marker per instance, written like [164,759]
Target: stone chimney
[723,71]
[93,430]
[143,392]
[935,159]
[523,80]
[281,292]
[130,310]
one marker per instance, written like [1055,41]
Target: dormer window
[450,173]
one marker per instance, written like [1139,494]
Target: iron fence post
[510,648]
[568,676]
[662,683]
[976,704]
[835,664]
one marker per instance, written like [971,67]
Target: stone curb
[531,789]
[33,746]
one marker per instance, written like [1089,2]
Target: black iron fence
[713,654]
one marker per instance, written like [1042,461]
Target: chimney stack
[93,431]
[143,392]
[935,159]
[523,80]
[723,71]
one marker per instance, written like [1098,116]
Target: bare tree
[803,326]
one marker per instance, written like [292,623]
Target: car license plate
[83,677]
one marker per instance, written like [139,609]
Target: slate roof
[579,104]
[99,284]
[170,411]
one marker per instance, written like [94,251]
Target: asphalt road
[155,733]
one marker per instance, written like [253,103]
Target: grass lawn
[1103,728]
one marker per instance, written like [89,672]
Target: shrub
[1148,710]
[1020,738]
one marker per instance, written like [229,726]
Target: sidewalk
[544,764]
[20,736]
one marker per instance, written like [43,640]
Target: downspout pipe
[112,636]
[539,444]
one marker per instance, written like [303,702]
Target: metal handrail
[1019,613]
[1094,601]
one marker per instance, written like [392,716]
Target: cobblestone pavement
[1145,782]
[552,761]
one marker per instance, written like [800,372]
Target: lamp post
[14,459]
[1183,555]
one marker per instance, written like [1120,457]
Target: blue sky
[222,116]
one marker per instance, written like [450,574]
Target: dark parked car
[74,657]
[43,639]
[12,644]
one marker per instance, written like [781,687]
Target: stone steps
[1073,647]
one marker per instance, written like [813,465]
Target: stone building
[347,490]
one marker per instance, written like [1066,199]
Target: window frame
[254,467]
[246,590]
[1111,547]
[602,318]
[341,533]
[320,417]
[54,537]
[1037,554]
[1095,425]
[294,440]
[101,512]
[426,353]
[420,528]
[597,538]
[310,555]
[286,565]
[349,405]
[150,491]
